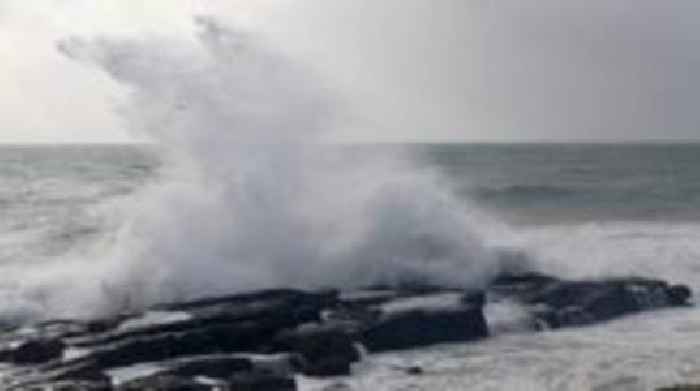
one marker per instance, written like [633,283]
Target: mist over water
[248,197]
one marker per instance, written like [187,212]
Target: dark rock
[679,294]
[180,372]
[328,366]
[262,382]
[236,323]
[528,278]
[561,303]
[418,328]
[34,351]
[208,343]
[474,299]
[325,351]
[427,320]
[214,367]
[288,308]
[85,373]
[414,371]
[241,337]
[164,383]
[578,303]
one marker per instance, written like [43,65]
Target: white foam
[506,316]
[125,374]
[652,249]
[154,318]
[433,302]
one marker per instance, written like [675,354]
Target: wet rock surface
[262,340]
[425,320]
[556,303]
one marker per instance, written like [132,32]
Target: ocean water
[575,210]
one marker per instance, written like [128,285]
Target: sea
[576,210]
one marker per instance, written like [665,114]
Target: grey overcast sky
[409,70]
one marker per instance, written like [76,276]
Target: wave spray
[249,198]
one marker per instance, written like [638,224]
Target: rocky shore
[262,340]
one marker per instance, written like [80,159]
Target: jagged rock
[288,307]
[222,338]
[325,351]
[679,294]
[225,324]
[426,320]
[33,351]
[561,303]
[259,340]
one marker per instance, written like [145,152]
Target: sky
[406,70]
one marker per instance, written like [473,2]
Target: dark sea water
[575,182]
[577,210]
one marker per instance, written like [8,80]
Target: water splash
[250,198]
